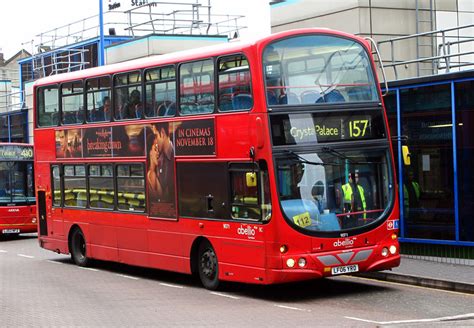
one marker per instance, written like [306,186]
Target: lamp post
[101,55]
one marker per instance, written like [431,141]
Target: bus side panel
[132,244]
[233,130]
[99,231]
[170,250]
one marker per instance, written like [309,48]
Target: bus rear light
[302,262]
[283,249]
[385,252]
[290,263]
[393,249]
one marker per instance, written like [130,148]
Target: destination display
[295,129]
[16,153]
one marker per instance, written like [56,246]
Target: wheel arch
[193,256]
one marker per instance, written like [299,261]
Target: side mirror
[251,179]
[406,155]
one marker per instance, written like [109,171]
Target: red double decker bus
[262,162]
[17,196]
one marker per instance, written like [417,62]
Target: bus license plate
[345,269]
[5,231]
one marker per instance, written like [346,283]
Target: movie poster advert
[128,140]
[160,151]
[69,143]
[195,138]
[98,142]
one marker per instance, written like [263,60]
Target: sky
[21,21]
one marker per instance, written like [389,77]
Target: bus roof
[184,55]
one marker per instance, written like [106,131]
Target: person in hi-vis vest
[411,196]
[354,200]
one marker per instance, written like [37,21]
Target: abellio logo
[246,231]
[344,243]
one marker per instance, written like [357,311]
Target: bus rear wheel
[77,247]
[208,266]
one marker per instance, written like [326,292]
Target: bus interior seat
[272,98]
[332,96]
[309,97]
[289,99]
[225,102]
[242,101]
[359,94]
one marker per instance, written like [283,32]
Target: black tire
[208,266]
[77,247]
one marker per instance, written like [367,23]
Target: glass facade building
[434,117]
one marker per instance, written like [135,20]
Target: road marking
[291,308]
[3,251]
[225,295]
[125,276]
[27,256]
[169,285]
[55,262]
[90,269]
[450,318]
[402,284]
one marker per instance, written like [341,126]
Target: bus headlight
[290,263]
[385,252]
[393,249]
[302,262]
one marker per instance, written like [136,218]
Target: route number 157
[358,128]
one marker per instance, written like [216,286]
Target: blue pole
[455,161]
[101,54]
[400,166]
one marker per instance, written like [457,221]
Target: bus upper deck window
[235,92]
[197,87]
[48,106]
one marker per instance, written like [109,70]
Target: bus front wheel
[208,266]
[77,247]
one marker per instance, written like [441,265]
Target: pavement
[431,274]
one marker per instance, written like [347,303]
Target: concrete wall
[157,45]
[381,20]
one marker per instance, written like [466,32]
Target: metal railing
[11,101]
[440,60]
[180,18]
[55,51]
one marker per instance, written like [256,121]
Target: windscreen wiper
[303,160]
[342,156]
[338,154]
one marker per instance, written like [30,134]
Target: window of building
[4,128]
[98,99]
[131,187]
[160,92]
[197,87]
[128,96]
[18,127]
[75,194]
[72,101]
[235,92]
[101,186]
[48,106]
[465,157]
[428,182]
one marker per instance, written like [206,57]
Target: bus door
[43,224]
